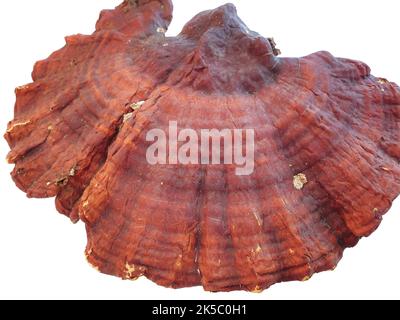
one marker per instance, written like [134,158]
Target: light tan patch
[22,87]
[178,262]
[127,116]
[72,172]
[87,256]
[161,30]
[254,253]
[257,289]
[88,253]
[306,278]
[85,205]
[291,251]
[129,270]
[136,106]
[19,124]
[299,181]
[133,272]
[258,218]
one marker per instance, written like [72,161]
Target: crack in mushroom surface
[326,163]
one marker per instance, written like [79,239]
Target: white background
[41,252]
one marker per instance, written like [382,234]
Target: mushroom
[326,160]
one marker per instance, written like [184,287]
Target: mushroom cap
[327,149]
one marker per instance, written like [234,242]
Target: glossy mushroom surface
[327,150]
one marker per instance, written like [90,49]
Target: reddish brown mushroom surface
[327,149]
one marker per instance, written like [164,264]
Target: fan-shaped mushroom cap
[326,161]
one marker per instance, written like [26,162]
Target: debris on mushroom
[299,180]
[137,105]
[161,30]
[72,172]
[127,116]
[19,124]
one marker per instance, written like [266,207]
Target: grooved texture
[326,162]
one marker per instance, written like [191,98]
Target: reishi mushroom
[326,162]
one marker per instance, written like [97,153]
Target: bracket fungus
[326,155]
